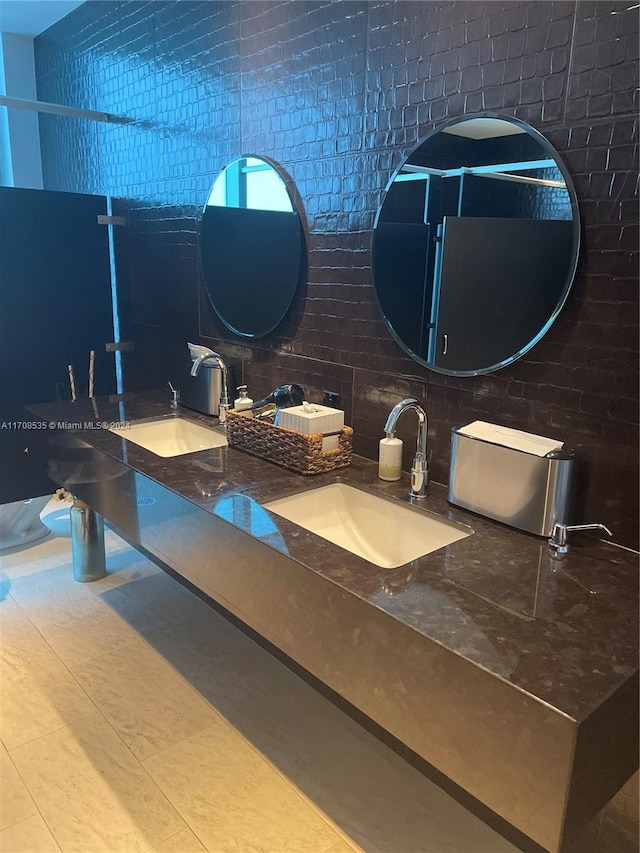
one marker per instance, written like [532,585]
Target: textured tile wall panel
[338,94]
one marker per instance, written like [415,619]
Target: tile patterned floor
[135,718]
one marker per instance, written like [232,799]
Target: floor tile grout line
[94,657]
[342,835]
[99,657]
[30,817]
[142,640]
[223,720]
[109,609]
[44,820]
[69,670]
[97,710]
[149,776]
[26,787]
[167,797]
[67,725]
[175,835]
[107,722]
[36,629]
[45,559]
[218,721]
[349,846]
[336,830]
[184,680]
[33,800]
[53,731]
[342,838]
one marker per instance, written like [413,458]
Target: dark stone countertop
[565,632]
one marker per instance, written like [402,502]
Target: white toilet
[20,522]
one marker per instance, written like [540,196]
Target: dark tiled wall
[338,93]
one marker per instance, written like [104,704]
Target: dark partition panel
[400,252]
[500,282]
[55,307]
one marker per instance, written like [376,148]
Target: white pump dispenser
[390,458]
[243,401]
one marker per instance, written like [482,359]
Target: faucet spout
[224,405]
[420,468]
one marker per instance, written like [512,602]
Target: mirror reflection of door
[496,287]
[475,245]
[251,247]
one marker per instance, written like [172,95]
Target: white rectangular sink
[382,531]
[172,436]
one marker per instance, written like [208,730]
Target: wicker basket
[293,450]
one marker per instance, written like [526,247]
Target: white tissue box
[313,419]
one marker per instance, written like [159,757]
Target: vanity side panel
[508,750]
[606,758]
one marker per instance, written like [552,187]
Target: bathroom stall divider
[55,308]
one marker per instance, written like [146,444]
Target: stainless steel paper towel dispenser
[517,488]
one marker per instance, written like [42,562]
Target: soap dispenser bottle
[390,458]
[243,401]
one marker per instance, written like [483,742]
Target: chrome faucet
[420,468]
[558,544]
[175,396]
[224,404]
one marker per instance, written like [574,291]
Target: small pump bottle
[243,401]
[390,458]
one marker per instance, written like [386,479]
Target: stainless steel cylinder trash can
[87,543]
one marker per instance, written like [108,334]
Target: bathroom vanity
[513,674]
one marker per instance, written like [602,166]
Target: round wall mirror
[475,245]
[251,247]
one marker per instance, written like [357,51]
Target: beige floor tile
[280,714]
[145,700]
[158,602]
[183,842]
[29,836]
[74,621]
[343,847]
[38,700]
[39,694]
[125,565]
[21,644]
[93,794]
[30,560]
[113,542]
[272,707]
[15,801]
[233,800]
[384,805]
